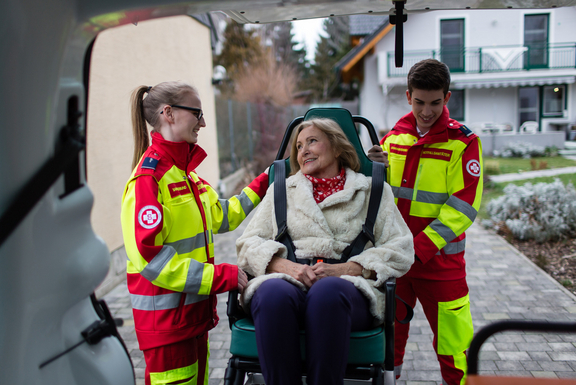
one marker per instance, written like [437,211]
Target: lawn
[493,190]
[513,165]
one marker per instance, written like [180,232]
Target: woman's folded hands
[309,275]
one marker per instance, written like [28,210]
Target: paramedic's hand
[242,280]
[323,270]
[298,271]
[376,154]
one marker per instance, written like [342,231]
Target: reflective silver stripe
[444,231]
[195,298]
[225,226]
[188,245]
[245,202]
[403,192]
[454,247]
[463,207]
[155,266]
[155,302]
[431,197]
[194,277]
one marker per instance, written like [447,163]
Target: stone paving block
[412,346]
[540,356]
[514,373]
[488,347]
[531,365]
[509,337]
[217,373]
[553,338]
[218,363]
[489,356]
[563,356]
[566,374]
[487,365]
[509,365]
[513,356]
[506,346]
[555,366]
[539,374]
[425,346]
[535,338]
[533,346]
[424,375]
[495,316]
[424,356]
[562,346]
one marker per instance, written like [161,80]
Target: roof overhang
[509,81]
[267,11]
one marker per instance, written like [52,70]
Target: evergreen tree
[241,48]
[329,51]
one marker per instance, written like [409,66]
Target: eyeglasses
[199,114]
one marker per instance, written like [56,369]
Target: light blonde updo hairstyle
[147,109]
[338,140]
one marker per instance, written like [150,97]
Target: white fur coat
[325,230]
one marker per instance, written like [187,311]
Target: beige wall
[123,58]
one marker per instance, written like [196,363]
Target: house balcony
[493,66]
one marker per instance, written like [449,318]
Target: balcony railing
[492,59]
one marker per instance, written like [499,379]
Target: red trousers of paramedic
[182,363]
[446,305]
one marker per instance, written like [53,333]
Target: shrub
[541,211]
[522,150]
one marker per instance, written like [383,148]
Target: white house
[508,67]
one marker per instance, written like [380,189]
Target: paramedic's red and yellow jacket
[169,218]
[437,184]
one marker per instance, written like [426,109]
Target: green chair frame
[371,353]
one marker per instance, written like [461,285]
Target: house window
[529,104]
[536,40]
[452,44]
[554,100]
[456,105]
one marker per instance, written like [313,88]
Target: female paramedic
[169,217]
[327,202]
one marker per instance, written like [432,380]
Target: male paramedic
[436,174]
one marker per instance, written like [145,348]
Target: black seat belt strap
[367,233]
[280,208]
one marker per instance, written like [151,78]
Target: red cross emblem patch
[473,167]
[149,217]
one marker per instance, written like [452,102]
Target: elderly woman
[327,202]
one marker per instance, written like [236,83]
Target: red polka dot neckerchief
[322,188]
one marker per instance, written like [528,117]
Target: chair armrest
[234,311]
[389,318]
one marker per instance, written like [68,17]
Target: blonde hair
[338,140]
[147,109]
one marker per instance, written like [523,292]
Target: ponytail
[147,110]
[139,129]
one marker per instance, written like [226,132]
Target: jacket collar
[354,182]
[185,156]
[438,132]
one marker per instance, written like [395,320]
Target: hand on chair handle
[242,280]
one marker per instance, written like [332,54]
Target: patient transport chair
[371,354]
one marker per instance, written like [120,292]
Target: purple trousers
[329,311]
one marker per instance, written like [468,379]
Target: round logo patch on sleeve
[473,167]
[149,217]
